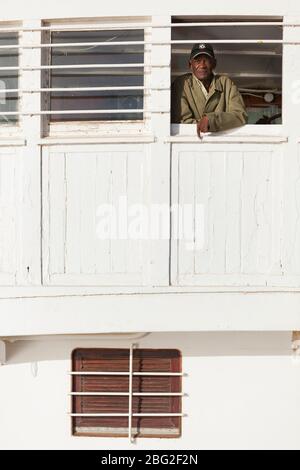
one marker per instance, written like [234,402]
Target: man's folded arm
[234,116]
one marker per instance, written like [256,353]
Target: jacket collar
[200,102]
[215,84]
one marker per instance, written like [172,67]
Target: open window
[251,55]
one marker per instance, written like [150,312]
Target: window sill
[186,133]
[232,139]
[111,139]
[12,142]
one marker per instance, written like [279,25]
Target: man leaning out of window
[209,100]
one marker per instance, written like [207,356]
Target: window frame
[101,128]
[179,131]
[126,128]
[14,130]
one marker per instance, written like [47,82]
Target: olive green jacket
[224,106]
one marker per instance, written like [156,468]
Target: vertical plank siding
[75,184]
[9,215]
[243,198]
[240,191]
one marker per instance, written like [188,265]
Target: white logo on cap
[201,46]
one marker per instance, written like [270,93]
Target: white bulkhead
[119,227]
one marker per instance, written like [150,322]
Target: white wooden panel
[291,221]
[233,212]
[87,212]
[160,150]
[135,184]
[9,204]
[251,208]
[217,213]
[103,188]
[119,172]
[29,269]
[74,167]
[57,214]
[241,194]
[76,182]
[296,246]
[203,172]
[186,193]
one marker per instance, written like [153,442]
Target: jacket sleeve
[180,109]
[234,116]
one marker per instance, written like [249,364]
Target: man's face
[202,66]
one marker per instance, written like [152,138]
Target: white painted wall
[243,387]
[239,191]
[243,393]
[63,9]
[9,202]
[76,184]
[249,191]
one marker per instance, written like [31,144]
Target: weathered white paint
[56,279]
[160,150]
[10,200]
[238,260]
[56,9]
[243,393]
[292,211]
[12,142]
[103,139]
[76,182]
[113,313]
[240,189]
[248,186]
[29,269]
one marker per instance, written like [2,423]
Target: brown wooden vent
[109,393]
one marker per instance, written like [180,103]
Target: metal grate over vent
[126,392]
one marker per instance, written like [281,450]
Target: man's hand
[202,126]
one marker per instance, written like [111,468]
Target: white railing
[152,43]
[145,67]
[118,26]
[125,394]
[146,374]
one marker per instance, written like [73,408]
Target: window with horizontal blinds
[9,78]
[97,87]
[161,392]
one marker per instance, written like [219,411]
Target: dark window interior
[8,78]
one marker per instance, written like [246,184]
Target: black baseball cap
[202,48]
